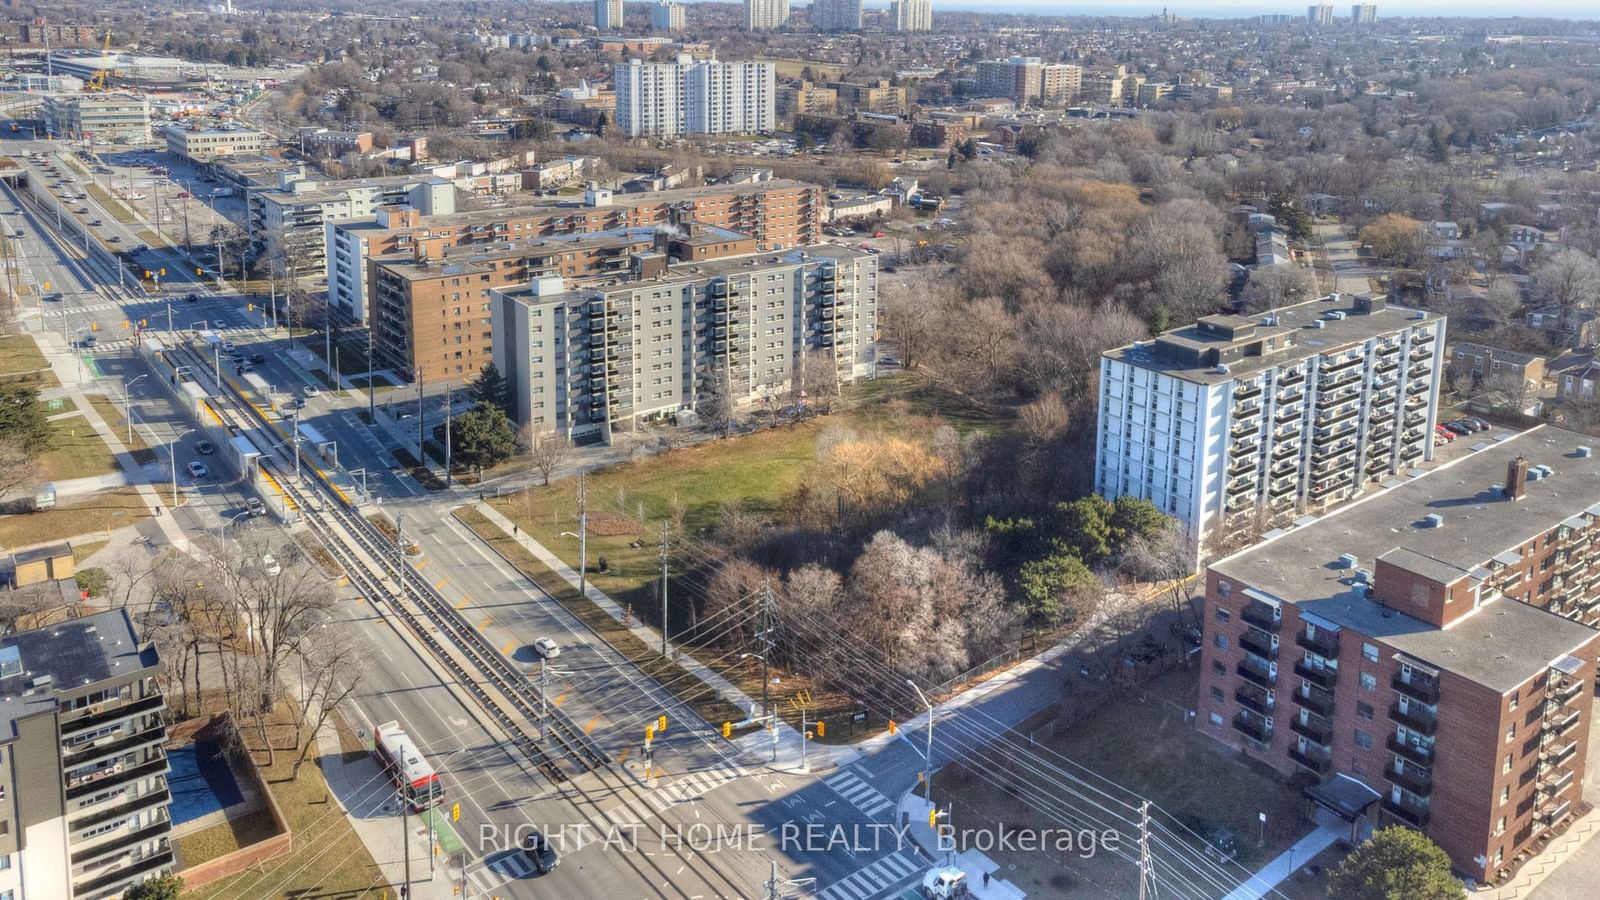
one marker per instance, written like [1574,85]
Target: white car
[227,347]
[198,469]
[269,565]
[547,648]
[310,391]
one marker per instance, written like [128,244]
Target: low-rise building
[879,96]
[1426,655]
[122,118]
[584,361]
[807,99]
[323,142]
[555,173]
[84,810]
[1495,364]
[201,146]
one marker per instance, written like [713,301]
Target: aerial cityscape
[820,449]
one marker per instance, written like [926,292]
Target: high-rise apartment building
[765,15]
[607,15]
[1028,79]
[666,16]
[1396,650]
[1060,84]
[690,96]
[83,777]
[583,361]
[1234,423]
[836,15]
[1320,14]
[286,224]
[911,15]
[1364,14]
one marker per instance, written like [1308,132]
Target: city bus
[407,767]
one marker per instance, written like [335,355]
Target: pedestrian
[986,880]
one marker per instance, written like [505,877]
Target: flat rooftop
[66,657]
[1301,565]
[465,258]
[1293,332]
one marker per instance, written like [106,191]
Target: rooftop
[66,657]
[472,257]
[1285,336]
[1301,565]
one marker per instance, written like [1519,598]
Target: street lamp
[929,754]
[583,560]
[234,520]
[127,408]
[172,449]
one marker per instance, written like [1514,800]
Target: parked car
[1459,427]
[547,648]
[1477,423]
[205,448]
[1441,432]
[255,507]
[269,565]
[198,469]
[540,853]
[227,346]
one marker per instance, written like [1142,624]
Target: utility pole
[449,399]
[768,601]
[405,840]
[664,590]
[422,452]
[372,409]
[774,883]
[583,536]
[1147,877]
[400,544]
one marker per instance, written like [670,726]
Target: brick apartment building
[429,306]
[777,214]
[1427,653]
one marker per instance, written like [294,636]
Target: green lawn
[88,516]
[791,68]
[111,413]
[18,354]
[112,205]
[225,837]
[76,451]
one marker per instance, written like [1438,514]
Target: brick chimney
[1516,478]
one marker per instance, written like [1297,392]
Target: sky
[1236,8]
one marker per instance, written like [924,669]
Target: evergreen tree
[482,437]
[490,388]
[23,421]
[1396,863]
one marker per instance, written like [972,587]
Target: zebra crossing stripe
[860,794]
[875,878]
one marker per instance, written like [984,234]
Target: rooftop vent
[1334,315]
[1418,314]
[1347,561]
[1544,470]
[1585,452]
[1315,323]
[1222,368]
[1433,520]
[1364,576]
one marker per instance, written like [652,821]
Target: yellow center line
[442,582]
[506,650]
[485,623]
[463,602]
[423,565]
[591,725]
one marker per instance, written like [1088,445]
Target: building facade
[765,15]
[122,118]
[807,99]
[1428,654]
[836,15]
[84,810]
[1319,14]
[201,146]
[1232,423]
[666,16]
[582,362]
[323,142]
[50,34]
[911,15]
[690,96]
[607,15]
[777,214]
[1364,14]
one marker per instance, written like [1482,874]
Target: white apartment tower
[765,15]
[692,96]
[607,15]
[911,15]
[836,15]
[1364,14]
[1319,14]
[666,16]
[1234,423]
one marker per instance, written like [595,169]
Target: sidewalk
[758,746]
[913,811]
[1278,870]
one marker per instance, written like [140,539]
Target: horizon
[1238,9]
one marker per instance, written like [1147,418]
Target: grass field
[225,837]
[79,516]
[19,354]
[112,205]
[791,68]
[76,451]
[327,859]
[111,413]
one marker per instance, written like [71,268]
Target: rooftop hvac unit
[1347,561]
[1315,323]
[1536,473]
[1364,576]
[1585,452]
[1222,368]
[1432,520]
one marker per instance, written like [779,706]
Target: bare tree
[334,665]
[546,450]
[18,469]
[1569,278]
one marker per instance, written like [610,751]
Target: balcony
[111,714]
[1261,646]
[1285,450]
[1261,616]
[1421,754]
[1316,762]
[1258,675]
[1415,779]
[1322,676]
[1253,727]
[1414,719]
[1240,429]
[1319,702]
[1242,466]
[121,843]
[1316,731]
[1553,816]
[1555,782]
[1324,644]
[1564,725]
[1293,376]
[110,777]
[125,874]
[1415,816]
[89,753]
[1247,390]
[1559,753]
[1417,688]
[1258,700]
[1566,691]
[1287,414]
[126,808]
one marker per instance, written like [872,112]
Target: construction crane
[97,81]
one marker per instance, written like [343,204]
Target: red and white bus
[407,767]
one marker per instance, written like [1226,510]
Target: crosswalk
[684,788]
[881,876]
[860,794]
[498,871]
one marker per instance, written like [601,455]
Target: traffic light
[649,733]
[249,307]
[46,286]
[661,724]
[933,816]
[147,273]
[94,326]
[893,728]
[727,729]
[822,728]
[144,323]
[455,812]
[125,323]
[163,272]
[197,271]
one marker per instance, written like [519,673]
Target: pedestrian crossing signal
[893,728]
[147,273]
[144,323]
[933,816]
[822,728]
[727,729]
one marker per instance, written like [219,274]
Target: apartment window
[1363,710]
[1505,795]
[1216,719]
[1511,732]
[1223,615]
[1369,652]
[1217,668]
[1500,825]
[1363,740]
[1499,857]
[1506,766]
[1216,694]
[1514,697]
[1368,682]
[5,863]
[1220,640]
[1224,588]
